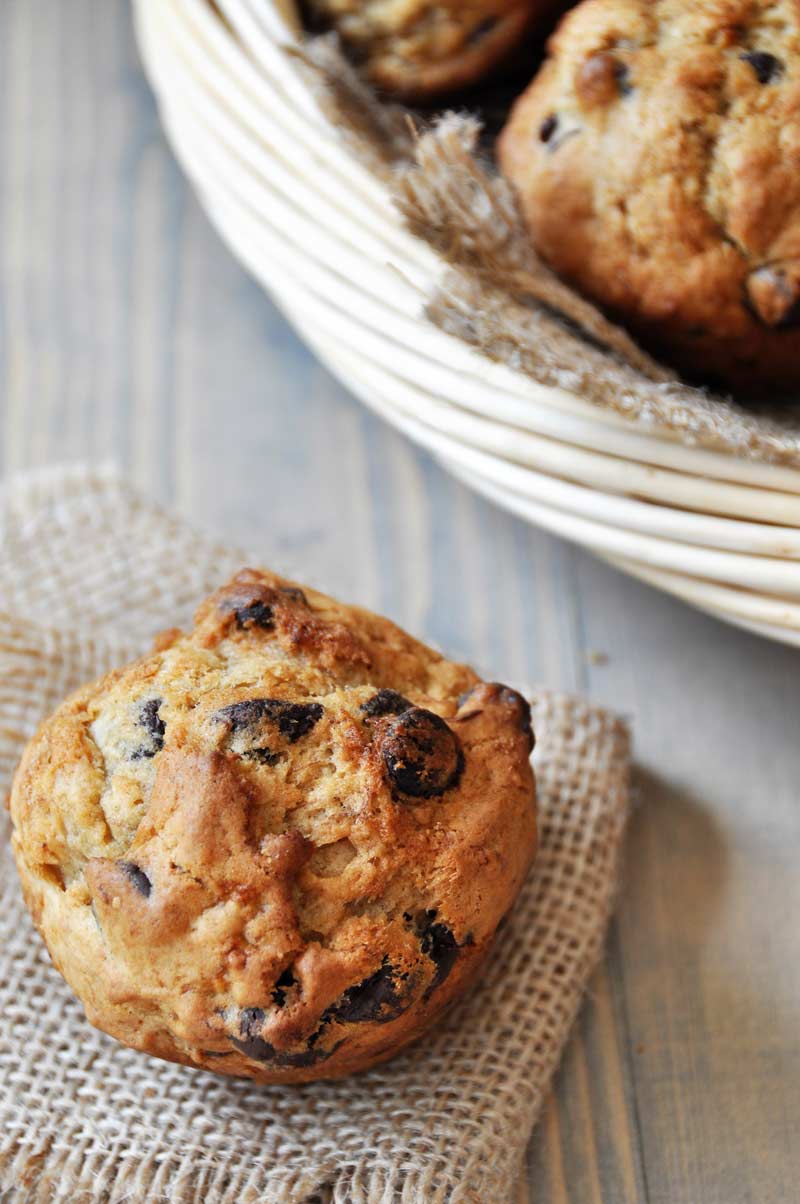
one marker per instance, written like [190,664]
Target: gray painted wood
[127,331]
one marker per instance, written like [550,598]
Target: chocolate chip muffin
[278,846]
[418,49]
[657,161]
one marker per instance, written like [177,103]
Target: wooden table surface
[128,332]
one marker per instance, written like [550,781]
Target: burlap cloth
[88,572]
[498,296]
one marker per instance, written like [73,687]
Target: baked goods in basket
[657,160]
[278,846]
[417,49]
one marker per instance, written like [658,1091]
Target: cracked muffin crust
[657,160]
[278,846]
[416,49]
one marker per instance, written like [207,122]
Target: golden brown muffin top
[266,846]
[657,158]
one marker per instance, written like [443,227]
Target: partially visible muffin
[416,49]
[657,161]
[278,846]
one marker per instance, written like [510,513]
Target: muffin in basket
[418,49]
[278,846]
[657,160]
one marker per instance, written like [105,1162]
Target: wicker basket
[322,235]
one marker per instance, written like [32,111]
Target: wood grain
[126,331]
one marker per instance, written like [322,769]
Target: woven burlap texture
[88,572]
[498,296]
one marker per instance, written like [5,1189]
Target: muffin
[415,50]
[656,157]
[281,845]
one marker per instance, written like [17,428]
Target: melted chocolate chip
[296,719]
[622,75]
[137,877]
[150,719]
[438,942]
[479,32]
[421,754]
[254,605]
[257,614]
[385,702]
[264,756]
[766,66]
[241,715]
[261,1051]
[553,132]
[154,725]
[548,128]
[314,1038]
[376,998]
[293,719]
[254,1046]
[283,984]
[250,1021]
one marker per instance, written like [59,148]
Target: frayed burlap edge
[499,297]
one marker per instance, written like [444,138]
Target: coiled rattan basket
[322,234]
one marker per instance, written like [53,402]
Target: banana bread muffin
[415,49]
[278,846]
[657,161]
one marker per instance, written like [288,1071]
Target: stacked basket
[322,235]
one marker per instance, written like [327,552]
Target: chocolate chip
[258,614]
[241,715]
[137,877]
[150,719]
[421,754]
[555,133]
[250,1021]
[766,66]
[376,998]
[254,605]
[263,755]
[622,75]
[261,1051]
[772,294]
[154,725]
[438,942]
[314,1038]
[255,1048]
[385,702]
[480,30]
[252,1045]
[548,128]
[283,984]
[293,719]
